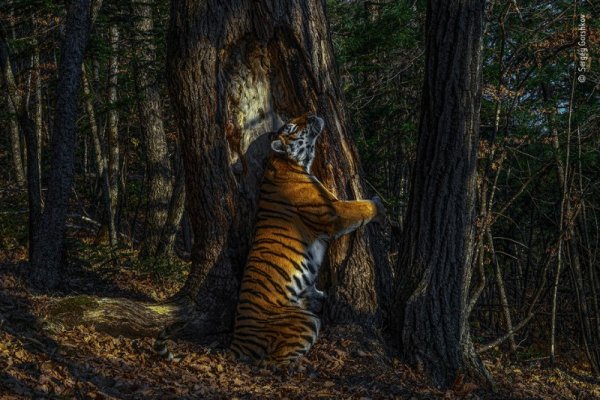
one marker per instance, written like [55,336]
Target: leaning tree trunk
[434,268]
[236,71]
[160,186]
[48,241]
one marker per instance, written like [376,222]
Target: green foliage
[379,50]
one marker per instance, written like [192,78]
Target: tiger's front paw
[380,217]
[318,294]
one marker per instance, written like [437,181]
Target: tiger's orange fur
[276,320]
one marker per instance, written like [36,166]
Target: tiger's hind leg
[251,339]
[295,332]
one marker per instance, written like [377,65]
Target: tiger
[277,318]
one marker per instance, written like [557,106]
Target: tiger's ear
[278,146]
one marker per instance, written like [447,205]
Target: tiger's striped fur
[276,320]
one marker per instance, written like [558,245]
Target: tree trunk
[501,291]
[18,151]
[434,268]
[15,142]
[176,208]
[27,128]
[37,107]
[160,186]
[113,133]
[46,257]
[99,158]
[237,71]
[101,161]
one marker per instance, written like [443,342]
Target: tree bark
[111,315]
[501,290]
[15,142]
[176,208]
[434,268]
[27,128]
[160,186]
[101,162]
[237,71]
[113,133]
[37,107]
[18,152]
[46,258]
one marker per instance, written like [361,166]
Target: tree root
[114,316]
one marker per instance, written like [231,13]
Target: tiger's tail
[160,345]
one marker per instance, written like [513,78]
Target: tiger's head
[296,139]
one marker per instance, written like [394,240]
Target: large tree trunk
[237,70]
[160,186]
[434,268]
[46,257]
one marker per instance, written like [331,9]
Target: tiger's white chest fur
[303,281]
[317,250]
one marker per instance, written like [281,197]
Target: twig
[507,335]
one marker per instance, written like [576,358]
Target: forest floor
[38,360]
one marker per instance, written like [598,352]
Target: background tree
[17,106]
[48,238]
[150,114]
[434,271]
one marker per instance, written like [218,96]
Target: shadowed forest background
[134,135]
